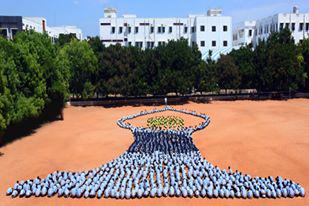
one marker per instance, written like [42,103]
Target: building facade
[297,22]
[210,31]
[37,24]
[54,32]
[10,25]
[244,33]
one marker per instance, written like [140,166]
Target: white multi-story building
[297,22]
[37,24]
[243,33]
[54,32]
[10,25]
[210,31]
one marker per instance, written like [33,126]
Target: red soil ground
[260,138]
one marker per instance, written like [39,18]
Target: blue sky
[86,13]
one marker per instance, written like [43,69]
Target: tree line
[38,76]
[275,64]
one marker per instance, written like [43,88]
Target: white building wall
[244,33]
[37,24]
[155,31]
[54,32]
[294,21]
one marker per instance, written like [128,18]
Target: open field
[260,138]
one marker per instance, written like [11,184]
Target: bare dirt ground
[260,138]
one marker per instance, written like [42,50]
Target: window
[225,43]
[281,26]
[151,29]
[287,25]
[301,26]
[113,30]
[161,29]
[136,29]
[271,28]
[161,43]
[129,30]
[170,29]
[186,29]
[193,43]
[105,24]
[213,28]
[14,32]
[120,30]
[192,29]
[235,37]
[293,26]
[266,29]
[213,43]
[139,44]
[301,41]
[150,44]
[130,43]
[202,28]
[307,26]
[202,43]
[250,32]
[224,28]
[4,33]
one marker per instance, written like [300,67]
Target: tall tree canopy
[83,66]
[243,58]
[228,73]
[284,71]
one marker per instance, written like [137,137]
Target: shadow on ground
[29,126]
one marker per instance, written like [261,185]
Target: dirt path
[259,138]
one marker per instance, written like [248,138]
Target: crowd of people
[158,163]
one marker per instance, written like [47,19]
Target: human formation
[159,163]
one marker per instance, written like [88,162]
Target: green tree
[83,67]
[64,39]
[23,89]
[151,64]
[261,69]
[305,55]
[228,73]
[243,58]
[206,76]
[179,63]
[54,67]
[284,70]
[96,45]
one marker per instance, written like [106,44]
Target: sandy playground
[260,138]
